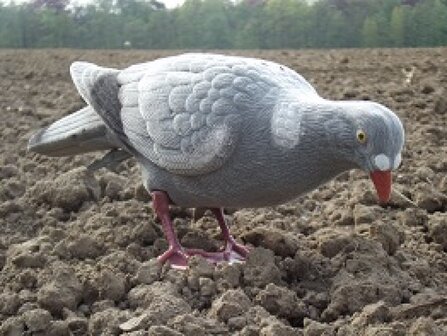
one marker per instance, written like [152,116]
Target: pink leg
[175,254]
[232,251]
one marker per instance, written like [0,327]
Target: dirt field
[76,250]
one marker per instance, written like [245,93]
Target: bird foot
[176,257]
[232,253]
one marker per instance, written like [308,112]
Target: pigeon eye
[361,136]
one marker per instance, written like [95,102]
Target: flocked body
[212,131]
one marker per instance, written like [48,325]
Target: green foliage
[370,32]
[222,24]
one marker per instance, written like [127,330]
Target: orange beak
[382,182]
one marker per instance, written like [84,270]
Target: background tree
[220,24]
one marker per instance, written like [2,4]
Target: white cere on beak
[397,161]
[382,162]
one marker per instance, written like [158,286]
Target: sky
[168,3]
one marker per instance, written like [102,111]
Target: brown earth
[76,250]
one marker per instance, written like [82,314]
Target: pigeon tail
[80,132]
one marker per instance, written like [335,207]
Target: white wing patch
[286,125]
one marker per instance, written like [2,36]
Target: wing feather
[192,107]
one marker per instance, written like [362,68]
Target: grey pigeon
[213,131]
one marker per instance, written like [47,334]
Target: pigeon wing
[185,113]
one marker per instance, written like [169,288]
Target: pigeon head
[373,138]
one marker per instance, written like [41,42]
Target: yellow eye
[361,136]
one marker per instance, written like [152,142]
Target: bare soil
[77,250]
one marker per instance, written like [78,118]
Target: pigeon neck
[327,130]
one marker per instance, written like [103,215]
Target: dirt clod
[68,191]
[232,303]
[111,285]
[64,291]
[37,319]
[437,226]
[260,268]
[279,242]
[162,331]
[107,322]
[282,303]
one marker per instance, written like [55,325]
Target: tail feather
[80,132]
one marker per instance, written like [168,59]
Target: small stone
[232,303]
[134,323]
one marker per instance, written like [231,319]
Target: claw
[176,257]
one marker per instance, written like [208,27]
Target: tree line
[224,24]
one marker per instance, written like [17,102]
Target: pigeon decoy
[213,131]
